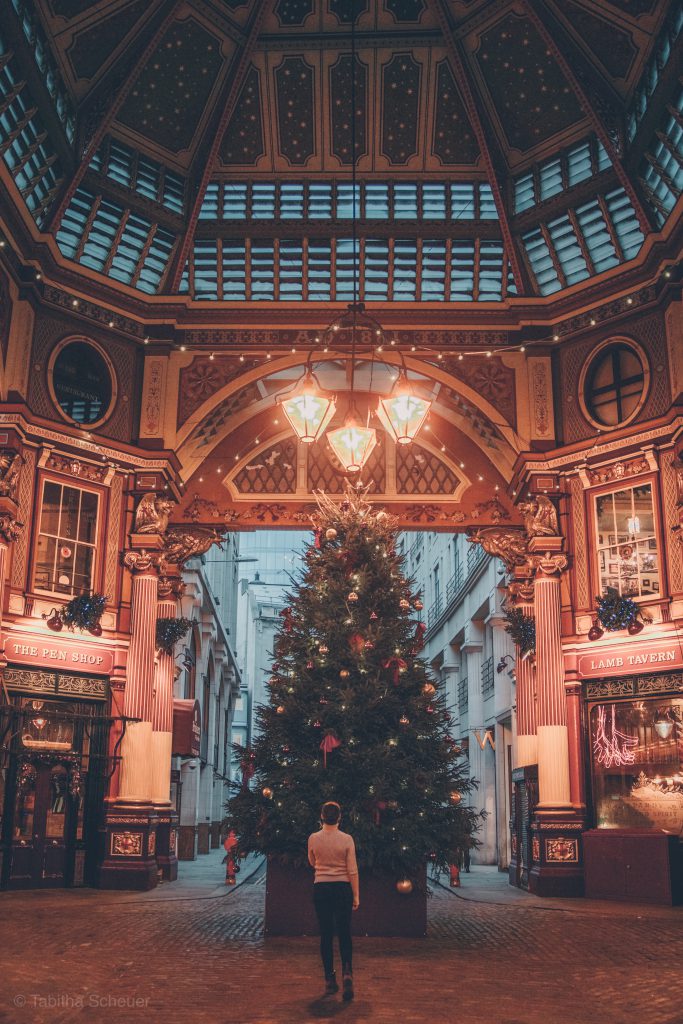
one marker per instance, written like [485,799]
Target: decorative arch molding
[231,373]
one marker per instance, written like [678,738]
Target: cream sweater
[333,855]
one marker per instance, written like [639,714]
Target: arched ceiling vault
[506,151]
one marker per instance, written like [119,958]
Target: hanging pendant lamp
[308,408]
[403,412]
[353,443]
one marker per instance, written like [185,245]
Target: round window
[82,381]
[615,384]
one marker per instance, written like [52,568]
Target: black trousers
[333,905]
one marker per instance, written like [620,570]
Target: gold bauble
[331,533]
[455,797]
[279,710]
[404,603]
[418,605]
[323,649]
[267,792]
[429,689]
[353,597]
[344,673]
[404,886]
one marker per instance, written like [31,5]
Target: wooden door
[40,830]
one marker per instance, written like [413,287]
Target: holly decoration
[169,631]
[357,723]
[615,611]
[522,629]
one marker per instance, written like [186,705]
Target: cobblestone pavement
[83,955]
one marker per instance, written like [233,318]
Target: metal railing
[434,611]
[462,695]
[487,678]
[475,555]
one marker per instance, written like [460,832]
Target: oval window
[615,385]
[82,382]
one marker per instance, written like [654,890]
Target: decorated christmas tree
[353,714]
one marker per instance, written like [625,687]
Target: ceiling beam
[462,81]
[108,115]
[597,122]
[227,106]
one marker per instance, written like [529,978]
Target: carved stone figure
[188,542]
[152,514]
[507,544]
[540,517]
[10,465]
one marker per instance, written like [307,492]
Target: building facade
[463,590]
[509,250]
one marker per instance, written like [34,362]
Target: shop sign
[625,659]
[187,728]
[50,652]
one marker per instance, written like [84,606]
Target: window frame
[627,483]
[98,562]
[54,355]
[589,362]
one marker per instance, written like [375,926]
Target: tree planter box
[382,911]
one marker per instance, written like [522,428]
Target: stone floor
[193,951]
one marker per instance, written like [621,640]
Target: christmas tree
[353,714]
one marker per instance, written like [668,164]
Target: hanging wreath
[522,629]
[615,611]
[84,612]
[170,631]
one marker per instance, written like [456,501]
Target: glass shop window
[628,557]
[637,760]
[67,537]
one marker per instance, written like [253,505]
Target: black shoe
[347,982]
[331,985]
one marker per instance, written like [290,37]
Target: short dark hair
[330,812]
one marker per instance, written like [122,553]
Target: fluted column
[162,711]
[525,674]
[136,748]
[553,745]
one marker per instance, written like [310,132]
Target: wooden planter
[382,911]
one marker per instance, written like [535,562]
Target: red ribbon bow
[419,640]
[396,664]
[247,765]
[329,742]
[356,643]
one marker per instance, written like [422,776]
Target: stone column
[482,766]
[170,590]
[553,744]
[522,593]
[136,748]
[577,782]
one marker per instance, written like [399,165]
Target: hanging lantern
[352,444]
[403,412]
[664,726]
[308,408]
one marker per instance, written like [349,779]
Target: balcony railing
[462,695]
[455,582]
[475,555]
[487,679]
[434,611]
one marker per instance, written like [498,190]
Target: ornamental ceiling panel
[532,99]
[91,47]
[169,97]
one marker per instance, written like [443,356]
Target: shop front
[634,752]
[55,764]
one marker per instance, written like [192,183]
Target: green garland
[170,631]
[522,629]
[84,612]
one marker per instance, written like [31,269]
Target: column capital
[141,562]
[170,586]
[549,564]
[521,591]
[10,529]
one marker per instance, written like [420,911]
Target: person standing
[332,853]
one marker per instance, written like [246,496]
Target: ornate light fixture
[403,412]
[308,408]
[353,443]
[663,724]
